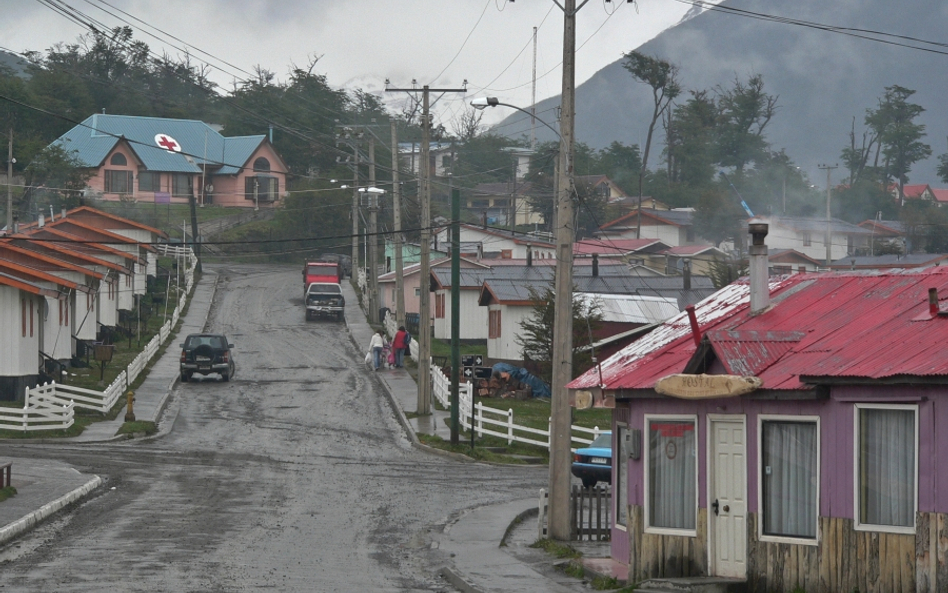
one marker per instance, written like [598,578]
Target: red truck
[319,271]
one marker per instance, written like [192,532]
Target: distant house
[441,156]
[788,436]
[626,250]
[892,261]
[162,161]
[789,261]
[491,242]
[22,311]
[674,260]
[599,185]
[890,232]
[808,236]
[920,191]
[497,204]
[630,203]
[673,227]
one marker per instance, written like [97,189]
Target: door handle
[714,505]
[727,508]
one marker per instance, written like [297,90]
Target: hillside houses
[62,284]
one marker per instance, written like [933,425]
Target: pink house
[151,159]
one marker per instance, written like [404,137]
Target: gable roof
[670,217]
[821,328]
[941,195]
[617,247]
[891,228]
[98,135]
[914,191]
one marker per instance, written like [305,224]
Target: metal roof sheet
[98,134]
[854,325]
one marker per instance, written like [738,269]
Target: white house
[500,243]
[808,236]
[672,227]
[22,308]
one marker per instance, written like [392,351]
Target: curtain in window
[887,467]
[789,479]
[672,496]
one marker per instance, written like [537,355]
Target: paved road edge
[31,520]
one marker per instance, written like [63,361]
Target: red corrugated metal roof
[835,325]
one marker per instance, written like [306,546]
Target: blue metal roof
[95,138]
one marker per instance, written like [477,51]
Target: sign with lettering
[706,386]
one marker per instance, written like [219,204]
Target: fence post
[541,518]
[510,426]
[479,419]
[549,433]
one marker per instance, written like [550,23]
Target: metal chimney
[686,273]
[759,285]
[41,221]
[595,265]
[529,255]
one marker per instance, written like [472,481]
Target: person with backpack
[400,343]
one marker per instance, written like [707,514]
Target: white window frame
[857,524]
[760,478]
[648,418]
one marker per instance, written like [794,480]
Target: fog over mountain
[823,79]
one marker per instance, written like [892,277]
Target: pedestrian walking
[400,344]
[375,347]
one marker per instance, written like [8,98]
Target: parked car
[205,354]
[325,299]
[593,464]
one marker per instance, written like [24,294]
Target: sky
[361,43]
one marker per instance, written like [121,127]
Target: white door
[727,502]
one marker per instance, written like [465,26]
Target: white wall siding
[108,303]
[473,321]
[506,346]
[126,298]
[18,353]
[57,330]
[86,316]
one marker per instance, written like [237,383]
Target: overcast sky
[360,43]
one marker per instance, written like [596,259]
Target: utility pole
[373,255]
[424,305]
[533,97]
[397,215]
[355,209]
[829,219]
[10,183]
[561,414]
[456,316]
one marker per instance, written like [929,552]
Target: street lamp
[482,103]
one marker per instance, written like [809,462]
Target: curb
[457,581]
[33,519]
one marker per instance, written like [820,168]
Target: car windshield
[331,288]
[212,341]
[603,441]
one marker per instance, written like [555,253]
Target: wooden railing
[590,513]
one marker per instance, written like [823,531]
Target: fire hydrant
[130,414]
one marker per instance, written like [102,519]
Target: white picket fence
[497,422]
[52,405]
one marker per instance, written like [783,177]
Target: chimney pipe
[759,286]
[686,273]
[595,265]
[695,331]
[41,221]
[63,215]
[529,255]
[933,301]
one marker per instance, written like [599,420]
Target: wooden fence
[52,405]
[590,513]
[496,422]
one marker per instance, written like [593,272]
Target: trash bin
[382,312]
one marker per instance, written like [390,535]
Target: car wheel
[225,376]
[589,482]
[185,377]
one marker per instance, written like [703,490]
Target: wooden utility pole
[829,216]
[424,191]
[10,183]
[373,256]
[561,416]
[355,209]
[397,215]
[456,316]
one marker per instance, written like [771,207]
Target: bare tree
[467,125]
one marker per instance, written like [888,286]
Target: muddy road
[295,476]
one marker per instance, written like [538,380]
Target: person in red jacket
[399,346]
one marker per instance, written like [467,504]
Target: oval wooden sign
[706,386]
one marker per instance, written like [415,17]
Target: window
[493,327]
[789,477]
[118,159]
[672,501]
[417,291]
[439,306]
[506,254]
[148,181]
[620,485]
[479,204]
[807,241]
[267,188]
[181,185]
[261,164]
[118,182]
[886,467]
[782,270]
